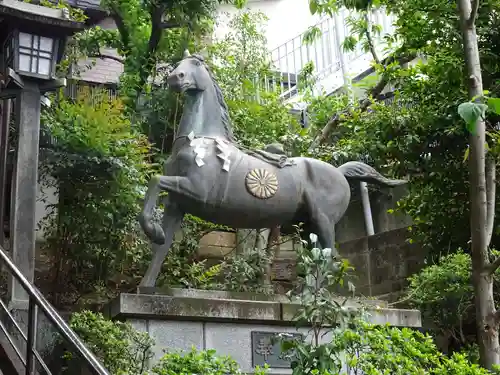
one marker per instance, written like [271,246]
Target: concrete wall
[352,225]
[214,320]
[382,263]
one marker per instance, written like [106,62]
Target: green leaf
[466,154]
[494,105]
[470,113]
[313,6]
[239,4]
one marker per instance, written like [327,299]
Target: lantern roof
[17,13]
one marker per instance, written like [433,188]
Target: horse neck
[202,115]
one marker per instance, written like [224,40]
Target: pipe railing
[37,302]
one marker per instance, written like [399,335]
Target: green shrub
[195,362]
[98,165]
[121,348]
[380,350]
[364,347]
[443,293]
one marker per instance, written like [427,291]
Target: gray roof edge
[38,13]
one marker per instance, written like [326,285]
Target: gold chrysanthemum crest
[261,183]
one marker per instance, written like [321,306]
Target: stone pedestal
[227,322]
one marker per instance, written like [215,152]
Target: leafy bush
[246,272]
[443,293]
[98,166]
[375,350]
[363,347]
[181,267]
[122,349]
[195,362]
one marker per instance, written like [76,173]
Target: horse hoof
[152,230]
[158,235]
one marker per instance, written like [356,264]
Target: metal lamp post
[33,38]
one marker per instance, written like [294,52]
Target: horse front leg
[172,219]
[157,184]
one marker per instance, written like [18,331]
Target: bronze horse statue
[210,176]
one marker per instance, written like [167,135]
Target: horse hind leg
[322,226]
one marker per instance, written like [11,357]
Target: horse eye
[198,63]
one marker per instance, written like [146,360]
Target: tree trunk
[491,185]
[487,328]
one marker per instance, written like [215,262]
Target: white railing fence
[325,53]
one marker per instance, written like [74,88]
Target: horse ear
[186,54]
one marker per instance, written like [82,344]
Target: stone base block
[211,320]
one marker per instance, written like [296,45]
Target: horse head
[190,75]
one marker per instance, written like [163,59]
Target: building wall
[287,19]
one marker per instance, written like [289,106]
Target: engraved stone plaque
[266,348]
[284,269]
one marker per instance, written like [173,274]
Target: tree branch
[493,266]
[110,57]
[473,13]
[169,25]
[365,103]
[154,40]
[156,30]
[120,25]
[370,39]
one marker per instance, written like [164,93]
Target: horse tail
[355,170]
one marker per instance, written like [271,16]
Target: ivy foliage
[97,164]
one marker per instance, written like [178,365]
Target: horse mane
[226,119]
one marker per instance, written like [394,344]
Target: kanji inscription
[266,349]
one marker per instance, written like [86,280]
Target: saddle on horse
[273,154]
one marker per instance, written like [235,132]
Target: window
[35,54]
